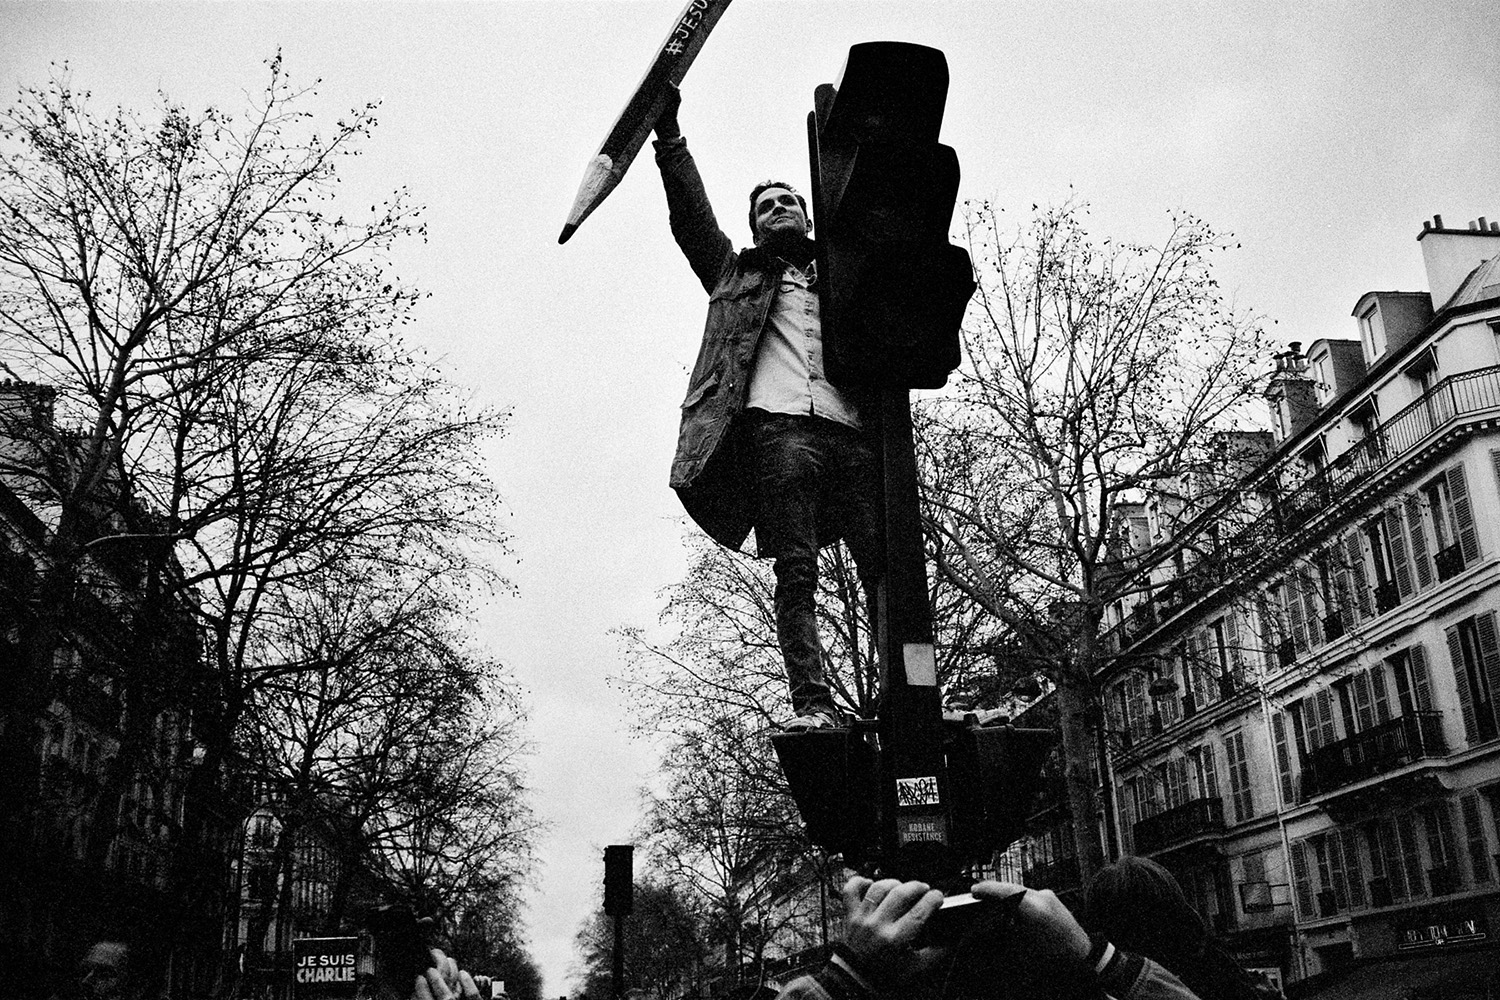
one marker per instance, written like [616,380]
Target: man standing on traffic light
[766,441]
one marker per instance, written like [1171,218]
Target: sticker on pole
[921,830]
[917,792]
[921,664]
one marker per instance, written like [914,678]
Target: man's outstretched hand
[666,123]
[883,919]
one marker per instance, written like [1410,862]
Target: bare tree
[399,747]
[211,399]
[663,952]
[1097,373]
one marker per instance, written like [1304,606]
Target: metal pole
[915,829]
[619,957]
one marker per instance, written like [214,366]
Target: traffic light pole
[617,972]
[916,825]
[926,797]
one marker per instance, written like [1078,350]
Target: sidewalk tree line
[1097,376]
[235,451]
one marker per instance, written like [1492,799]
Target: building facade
[1302,714]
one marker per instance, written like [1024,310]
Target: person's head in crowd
[106,971]
[1140,906]
[1136,903]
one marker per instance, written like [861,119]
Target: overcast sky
[1320,134]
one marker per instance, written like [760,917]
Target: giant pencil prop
[639,117]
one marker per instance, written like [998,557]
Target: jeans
[811,473]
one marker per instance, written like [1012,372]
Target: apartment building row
[113,831]
[1302,716]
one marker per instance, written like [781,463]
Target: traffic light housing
[619,880]
[993,774]
[893,290]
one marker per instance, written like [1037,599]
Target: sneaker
[813,720]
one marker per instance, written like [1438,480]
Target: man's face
[102,971]
[778,213]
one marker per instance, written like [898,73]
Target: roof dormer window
[1372,333]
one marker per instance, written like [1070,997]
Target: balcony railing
[1277,515]
[1059,874]
[1387,596]
[1193,818]
[1449,561]
[1377,750]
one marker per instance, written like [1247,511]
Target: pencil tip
[568,230]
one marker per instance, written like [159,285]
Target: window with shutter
[1364,709]
[1239,776]
[1354,552]
[1379,695]
[1284,759]
[1125,797]
[1463,515]
[1293,607]
[1171,784]
[1378,876]
[1395,541]
[1235,631]
[1268,636]
[1420,686]
[1354,876]
[1330,881]
[1323,706]
[1479,852]
[1416,533]
[1489,658]
[1302,881]
[1440,848]
[1411,858]
[1307,584]
[1385,857]
[1466,652]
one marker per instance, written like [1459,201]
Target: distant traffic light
[893,289]
[619,880]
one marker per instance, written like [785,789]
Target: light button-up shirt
[788,374]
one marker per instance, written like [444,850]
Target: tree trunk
[1073,697]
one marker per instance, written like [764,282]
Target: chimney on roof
[1292,394]
[1451,255]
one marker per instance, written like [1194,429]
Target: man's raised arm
[693,224]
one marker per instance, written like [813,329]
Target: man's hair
[755,193]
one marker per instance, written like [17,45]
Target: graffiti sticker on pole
[916,792]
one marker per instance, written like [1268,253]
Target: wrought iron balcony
[1457,396]
[1449,561]
[1381,748]
[1387,596]
[1056,875]
[1193,818]
[1261,517]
